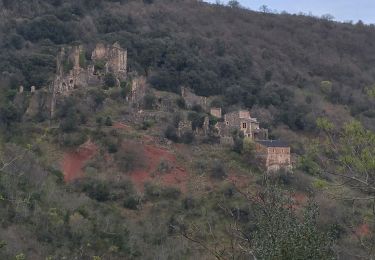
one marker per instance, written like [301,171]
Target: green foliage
[46,27]
[149,101]
[280,235]
[218,171]
[82,59]
[234,4]
[67,65]
[181,103]
[326,87]
[99,65]
[187,137]
[320,184]
[308,165]
[371,91]
[171,133]
[324,124]
[197,119]
[110,80]
[131,203]
[97,190]
[108,121]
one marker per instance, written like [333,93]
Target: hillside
[276,62]
[123,167]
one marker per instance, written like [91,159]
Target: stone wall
[273,158]
[191,99]
[138,89]
[216,112]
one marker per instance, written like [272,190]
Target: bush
[73,139]
[97,190]
[149,101]
[108,121]
[171,133]
[110,80]
[131,203]
[181,103]
[218,171]
[187,137]
[130,157]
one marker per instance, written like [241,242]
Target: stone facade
[216,112]
[191,99]
[138,89]
[115,59]
[273,155]
[242,121]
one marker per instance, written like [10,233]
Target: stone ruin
[192,99]
[239,120]
[138,90]
[74,71]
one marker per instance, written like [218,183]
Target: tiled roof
[273,143]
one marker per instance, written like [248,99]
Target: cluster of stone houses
[273,155]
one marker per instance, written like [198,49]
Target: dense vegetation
[301,76]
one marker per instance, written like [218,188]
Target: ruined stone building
[273,155]
[241,121]
[138,90]
[192,99]
[74,71]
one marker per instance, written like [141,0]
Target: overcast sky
[342,10]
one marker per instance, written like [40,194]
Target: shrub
[171,133]
[130,157]
[110,80]
[131,203]
[181,103]
[112,147]
[149,101]
[326,87]
[218,171]
[97,190]
[108,121]
[73,139]
[187,137]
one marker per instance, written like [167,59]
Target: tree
[349,154]
[233,4]
[264,9]
[110,80]
[267,228]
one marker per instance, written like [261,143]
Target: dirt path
[74,161]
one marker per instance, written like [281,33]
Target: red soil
[363,230]
[176,176]
[74,161]
[118,125]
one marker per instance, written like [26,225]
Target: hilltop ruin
[75,70]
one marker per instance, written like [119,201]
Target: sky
[342,10]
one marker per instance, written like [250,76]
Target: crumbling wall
[115,59]
[191,99]
[216,112]
[138,89]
